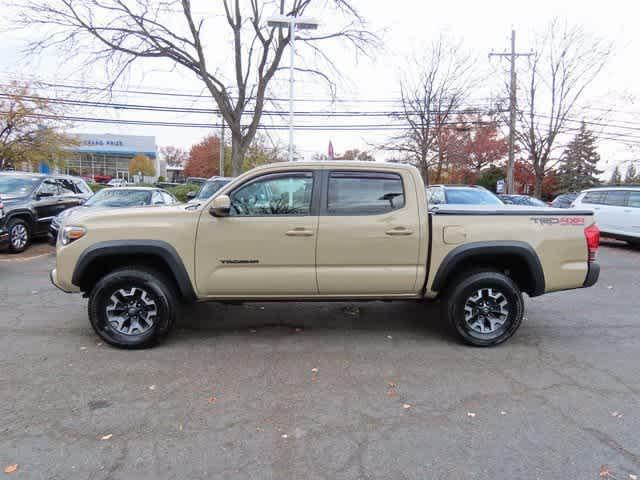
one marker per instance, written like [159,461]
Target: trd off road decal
[577,221]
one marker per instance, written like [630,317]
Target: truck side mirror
[191,195]
[220,206]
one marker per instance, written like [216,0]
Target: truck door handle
[399,231]
[299,232]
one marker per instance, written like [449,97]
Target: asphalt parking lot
[322,391]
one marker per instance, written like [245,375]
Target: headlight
[70,234]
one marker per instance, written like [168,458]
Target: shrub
[180,191]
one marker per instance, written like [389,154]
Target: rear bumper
[593,273]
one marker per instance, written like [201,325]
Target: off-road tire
[465,289]
[157,291]
[15,225]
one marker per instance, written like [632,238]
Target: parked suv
[31,200]
[617,211]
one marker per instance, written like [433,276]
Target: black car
[117,197]
[31,200]
[565,200]
[522,200]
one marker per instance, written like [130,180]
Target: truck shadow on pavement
[287,317]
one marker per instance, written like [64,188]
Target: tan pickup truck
[321,231]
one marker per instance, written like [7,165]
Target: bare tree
[566,62]
[123,32]
[431,96]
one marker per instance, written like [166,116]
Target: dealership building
[109,155]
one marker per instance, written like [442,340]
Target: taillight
[592,235]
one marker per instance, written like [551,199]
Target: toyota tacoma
[325,231]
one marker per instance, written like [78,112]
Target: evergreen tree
[631,175]
[579,167]
[616,178]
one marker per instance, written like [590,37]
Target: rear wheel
[484,308]
[132,308]
[19,235]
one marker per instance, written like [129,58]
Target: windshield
[11,186]
[209,188]
[471,196]
[119,198]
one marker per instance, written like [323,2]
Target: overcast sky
[371,84]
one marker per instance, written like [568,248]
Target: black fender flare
[466,252]
[22,212]
[133,248]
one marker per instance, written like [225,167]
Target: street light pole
[293,24]
[292,35]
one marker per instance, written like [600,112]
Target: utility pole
[221,166]
[512,105]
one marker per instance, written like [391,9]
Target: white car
[117,182]
[617,211]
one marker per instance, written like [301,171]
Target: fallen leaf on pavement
[471,414]
[406,406]
[606,472]
[11,468]
[106,437]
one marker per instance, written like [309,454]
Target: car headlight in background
[70,234]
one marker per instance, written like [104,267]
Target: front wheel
[484,308]
[132,308]
[19,235]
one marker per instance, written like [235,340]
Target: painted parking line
[26,259]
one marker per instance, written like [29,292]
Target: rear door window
[616,198]
[634,199]
[364,193]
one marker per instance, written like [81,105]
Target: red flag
[330,152]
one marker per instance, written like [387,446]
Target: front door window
[277,194]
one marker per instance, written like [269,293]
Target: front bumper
[593,273]
[53,276]
[53,234]
[4,238]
